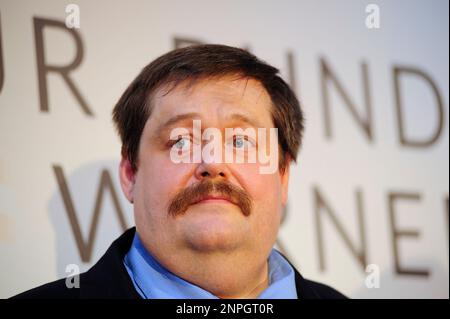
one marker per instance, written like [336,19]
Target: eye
[183,143]
[242,142]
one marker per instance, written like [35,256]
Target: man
[205,225]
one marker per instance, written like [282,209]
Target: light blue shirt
[153,281]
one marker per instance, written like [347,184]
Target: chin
[214,230]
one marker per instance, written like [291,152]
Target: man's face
[211,225]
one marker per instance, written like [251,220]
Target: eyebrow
[177,118]
[243,118]
[236,117]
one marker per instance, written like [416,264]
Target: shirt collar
[153,281]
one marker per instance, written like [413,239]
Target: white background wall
[120,37]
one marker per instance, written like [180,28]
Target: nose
[211,170]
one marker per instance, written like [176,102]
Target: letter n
[365,123]
[321,205]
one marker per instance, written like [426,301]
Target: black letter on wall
[365,123]
[398,104]
[320,205]
[291,70]
[2,74]
[85,248]
[396,234]
[64,71]
[184,42]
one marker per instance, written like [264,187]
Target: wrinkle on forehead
[247,94]
[191,86]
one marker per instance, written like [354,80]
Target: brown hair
[206,61]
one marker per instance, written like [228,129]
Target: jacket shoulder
[53,290]
[316,290]
[309,289]
[108,278]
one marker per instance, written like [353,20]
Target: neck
[227,275]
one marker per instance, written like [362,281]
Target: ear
[284,176]
[127,178]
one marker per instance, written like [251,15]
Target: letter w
[85,248]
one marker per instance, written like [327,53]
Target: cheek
[265,190]
[268,206]
[262,187]
[157,182]
[267,213]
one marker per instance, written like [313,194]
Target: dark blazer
[108,279]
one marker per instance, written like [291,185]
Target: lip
[214,199]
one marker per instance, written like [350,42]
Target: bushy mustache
[194,193]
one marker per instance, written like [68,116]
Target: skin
[212,245]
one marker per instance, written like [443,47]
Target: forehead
[214,98]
